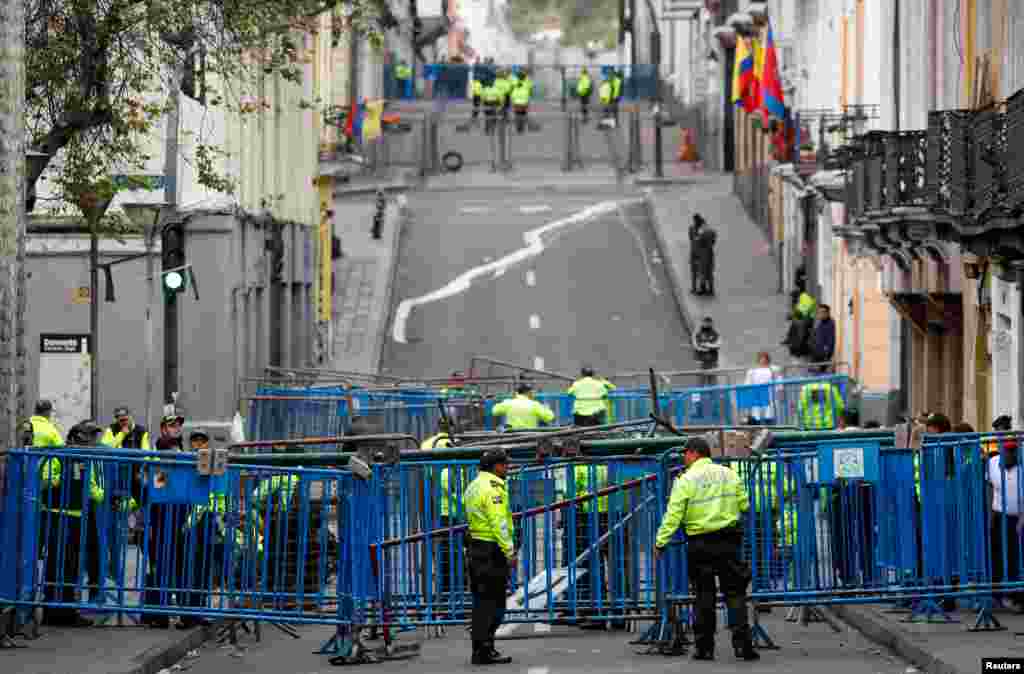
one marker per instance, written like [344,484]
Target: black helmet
[84,432]
[696,443]
[44,407]
[492,458]
[198,433]
[587,371]
[1003,423]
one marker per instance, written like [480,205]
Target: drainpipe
[896,64]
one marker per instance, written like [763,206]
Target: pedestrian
[1006,525]
[490,553]
[523,412]
[44,432]
[708,237]
[590,399]
[762,414]
[124,432]
[584,88]
[164,521]
[64,483]
[820,405]
[695,254]
[823,339]
[202,546]
[709,502]
[706,342]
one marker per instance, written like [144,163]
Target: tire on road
[452,161]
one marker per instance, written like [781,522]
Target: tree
[98,73]
[582,21]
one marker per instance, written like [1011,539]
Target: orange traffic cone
[687,148]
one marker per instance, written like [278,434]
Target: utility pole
[93,208]
[171,349]
[12,213]
[659,153]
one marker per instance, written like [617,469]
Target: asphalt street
[543,649]
[535,278]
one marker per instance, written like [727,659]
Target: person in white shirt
[764,373]
[1007,525]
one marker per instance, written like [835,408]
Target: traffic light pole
[659,152]
[94,322]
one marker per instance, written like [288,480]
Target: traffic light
[174,276]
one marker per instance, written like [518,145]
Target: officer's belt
[731,530]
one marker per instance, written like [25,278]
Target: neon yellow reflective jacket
[117,441]
[478,88]
[591,396]
[806,305]
[50,476]
[523,412]
[706,498]
[521,94]
[441,440]
[770,487]
[605,92]
[403,72]
[45,433]
[616,87]
[583,85]
[820,405]
[492,95]
[504,87]
[786,526]
[488,512]
[583,486]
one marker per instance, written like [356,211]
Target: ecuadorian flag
[743,81]
[773,104]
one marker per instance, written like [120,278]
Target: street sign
[680,9]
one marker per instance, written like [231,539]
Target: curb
[897,642]
[678,288]
[397,218]
[155,658]
[369,189]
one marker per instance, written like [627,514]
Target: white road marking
[538,363]
[471,210]
[500,272]
[535,323]
[488,259]
[531,278]
[536,241]
[538,589]
[643,251]
[541,628]
[533,210]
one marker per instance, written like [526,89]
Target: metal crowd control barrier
[833,518]
[279,413]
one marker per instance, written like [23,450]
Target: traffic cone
[687,148]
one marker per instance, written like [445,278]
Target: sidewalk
[364,277]
[942,648]
[747,310]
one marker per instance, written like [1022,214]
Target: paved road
[586,290]
[807,649]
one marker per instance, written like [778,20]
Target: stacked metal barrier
[279,413]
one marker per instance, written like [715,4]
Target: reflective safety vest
[820,405]
[478,88]
[62,485]
[583,86]
[488,513]
[521,94]
[616,87]
[583,486]
[605,92]
[523,412]
[706,498]
[45,433]
[441,440]
[504,86]
[806,305]
[590,396]
[492,95]
[135,438]
[786,526]
[403,72]
[768,487]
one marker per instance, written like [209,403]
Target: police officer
[442,439]
[492,103]
[403,77]
[202,545]
[708,500]
[490,553]
[477,92]
[820,405]
[66,483]
[606,94]
[523,412]
[125,433]
[44,432]
[584,87]
[520,98]
[590,399]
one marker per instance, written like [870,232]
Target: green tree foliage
[99,71]
[582,21]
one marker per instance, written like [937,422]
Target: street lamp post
[147,218]
[94,208]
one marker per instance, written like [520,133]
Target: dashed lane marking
[535,322]
[531,278]
[533,210]
[538,363]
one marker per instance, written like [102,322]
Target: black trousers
[585,106]
[718,553]
[695,271]
[490,119]
[1006,526]
[165,550]
[594,563]
[488,573]
[476,107]
[200,562]
[853,533]
[63,556]
[521,112]
[598,419]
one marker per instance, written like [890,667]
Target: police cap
[587,371]
[85,431]
[198,433]
[492,458]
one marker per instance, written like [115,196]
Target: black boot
[704,653]
[484,654]
[743,644]
[496,657]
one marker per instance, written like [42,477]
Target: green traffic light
[174,280]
